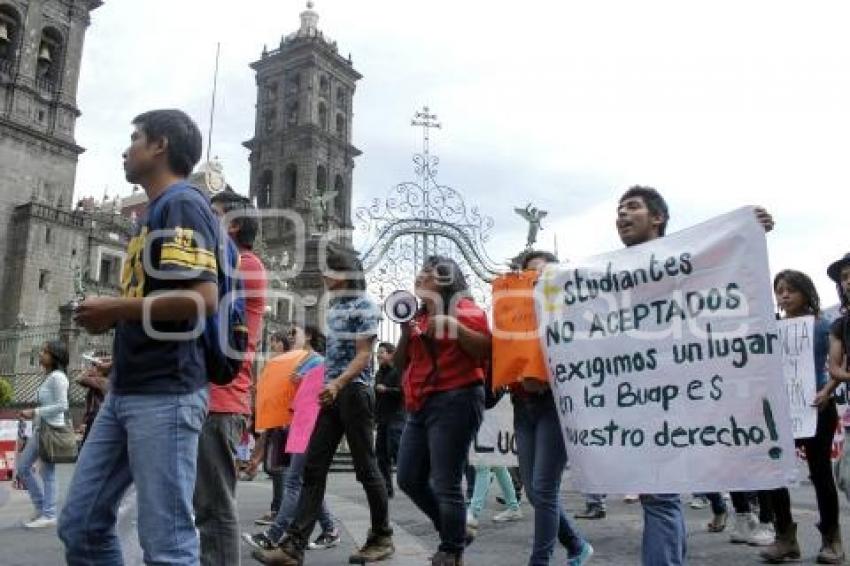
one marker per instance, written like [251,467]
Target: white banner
[798,369]
[495,443]
[665,361]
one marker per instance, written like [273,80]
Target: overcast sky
[560,103]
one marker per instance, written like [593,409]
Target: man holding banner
[659,356]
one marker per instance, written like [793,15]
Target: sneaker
[325,540]
[744,525]
[507,516]
[259,540]
[377,547]
[266,519]
[592,512]
[631,499]
[471,521]
[41,522]
[699,502]
[583,556]
[762,535]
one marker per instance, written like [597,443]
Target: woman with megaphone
[441,352]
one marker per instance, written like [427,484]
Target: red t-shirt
[456,368]
[235,397]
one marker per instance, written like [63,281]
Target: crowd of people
[158,423]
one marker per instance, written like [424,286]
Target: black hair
[527,256]
[450,279]
[58,354]
[654,202]
[344,261]
[388,346]
[283,339]
[801,282]
[316,338]
[184,138]
[245,219]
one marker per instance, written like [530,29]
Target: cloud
[564,104]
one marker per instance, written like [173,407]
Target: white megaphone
[401,306]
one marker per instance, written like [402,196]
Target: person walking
[442,352]
[147,430]
[214,499]
[389,413]
[348,408]
[52,401]
[796,296]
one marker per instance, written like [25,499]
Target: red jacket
[455,368]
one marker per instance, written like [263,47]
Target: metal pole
[212,106]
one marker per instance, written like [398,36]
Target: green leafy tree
[6,392]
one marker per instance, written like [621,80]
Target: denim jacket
[52,400]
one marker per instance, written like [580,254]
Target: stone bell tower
[302,157]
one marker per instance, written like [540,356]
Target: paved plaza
[616,539]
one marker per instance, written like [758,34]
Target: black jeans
[215,489]
[387,440]
[818,452]
[353,415]
[432,457]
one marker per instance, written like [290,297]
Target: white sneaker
[762,535]
[745,523]
[471,521]
[40,523]
[507,515]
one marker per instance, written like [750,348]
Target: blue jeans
[292,480]
[664,532]
[150,441]
[542,459]
[43,497]
[432,457]
[483,476]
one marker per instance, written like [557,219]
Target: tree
[6,392]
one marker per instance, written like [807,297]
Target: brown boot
[377,547]
[831,551]
[784,548]
[287,554]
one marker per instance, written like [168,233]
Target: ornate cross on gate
[427,121]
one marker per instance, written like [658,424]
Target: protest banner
[516,344]
[495,443]
[306,410]
[798,368]
[276,390]
[665,362]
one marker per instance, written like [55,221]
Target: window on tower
[321,179]
[324,86]
[10,25]
[340,125]
[323,116]
[271,91]
[292,113]
[290,185]
[270,120]
[48,59]
[341,98]
[265,189]
[339,203]
[293,85]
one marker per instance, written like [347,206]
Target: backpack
[225,335]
